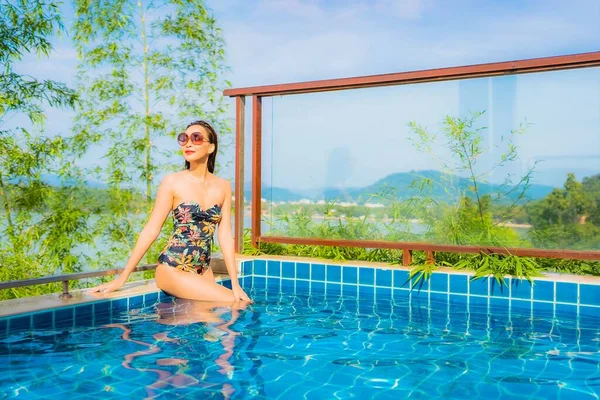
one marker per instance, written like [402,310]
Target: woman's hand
[108,286]
[238,293]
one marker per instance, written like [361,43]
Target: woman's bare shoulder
[172,178]
[223,183]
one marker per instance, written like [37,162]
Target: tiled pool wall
[84,315]
[544,295]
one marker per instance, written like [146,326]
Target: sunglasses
[196,138]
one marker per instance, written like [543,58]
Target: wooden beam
[580,60]
[240,118]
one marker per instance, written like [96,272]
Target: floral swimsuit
[188,248]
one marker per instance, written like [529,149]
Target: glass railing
[507,161]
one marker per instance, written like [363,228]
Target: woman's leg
[187,285]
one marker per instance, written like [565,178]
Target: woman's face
[194,143]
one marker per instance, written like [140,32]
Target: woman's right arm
[160,212]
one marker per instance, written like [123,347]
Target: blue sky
[353,138]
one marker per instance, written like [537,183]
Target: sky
[353,138]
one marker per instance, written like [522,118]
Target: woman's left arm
[227,247]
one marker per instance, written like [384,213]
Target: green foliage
[470,220]
[568,218]
[39,227]
[146,68]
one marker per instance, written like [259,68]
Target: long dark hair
[211,139]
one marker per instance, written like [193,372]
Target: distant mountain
[274,194]
[400,185]
[403,181]
[55,180]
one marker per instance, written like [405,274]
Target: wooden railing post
[240,117]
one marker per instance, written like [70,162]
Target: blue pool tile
[418,285]
[589,294]
[63,317]
[349,274]
[478,300]
[287,284]
[248,267]
[288,270]
[350,290]
[383,293]
[438,297]
[499,289]
[317,287]
[136,301]
[317,272]
[439,282]
[366,292]
[458,284]
[20,323]
[333,287]
[103,307]
[101,319]
[499,303]
[119,304]
[224,282]
[260,267]
[383,277]
[566,292]
[164,296]
[42,319]
[273,282]
[260,282]
[565,310]
[366,276]
[3,325]
[458,298]
[151,298]
[517,304]
[401,279]
[84,311]
[479,287]
[334,273]
[302,271]
[589,311]
[543,290]
[520,289]
[542,307]
[302,286]
[400,295]
[274,268]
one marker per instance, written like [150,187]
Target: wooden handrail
[431,247]
[429,75]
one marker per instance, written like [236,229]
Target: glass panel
[510,161]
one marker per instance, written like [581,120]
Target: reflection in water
[186,312]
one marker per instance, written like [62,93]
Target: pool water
[309,346]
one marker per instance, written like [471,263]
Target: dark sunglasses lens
[182,138]
[197,138]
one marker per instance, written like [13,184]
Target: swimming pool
[317,331]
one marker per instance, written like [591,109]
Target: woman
[199,202]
